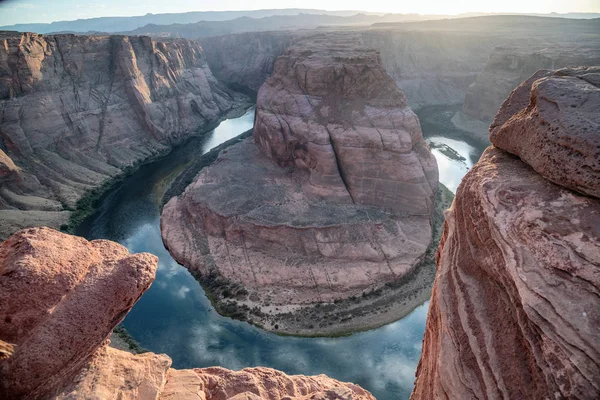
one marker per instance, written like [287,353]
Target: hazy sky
[26,11]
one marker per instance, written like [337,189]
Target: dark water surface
[175,317]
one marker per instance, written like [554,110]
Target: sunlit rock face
[60,298]
[333,197]
[515,306]
[78,110]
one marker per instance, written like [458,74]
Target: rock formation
[515,306]
[60,297]
[333,199]
[506,68]
[76,111]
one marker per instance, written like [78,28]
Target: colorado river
[175,317]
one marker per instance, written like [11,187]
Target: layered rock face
[78,110]
[514,310]
[507,68]
[61,296]
[332,200]
[335,112]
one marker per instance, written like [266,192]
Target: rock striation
[514,310]
[60,298]
[333,199]
[76,111]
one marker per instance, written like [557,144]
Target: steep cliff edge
[515,306]
[332,202]
[506,68]
[60,297]
[76,111]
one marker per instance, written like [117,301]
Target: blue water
[175,317]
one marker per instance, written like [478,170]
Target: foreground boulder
[515,306]
[79,110]
[332,200]
[60,298]
[557,131]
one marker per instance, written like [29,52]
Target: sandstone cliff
[506,68]
[515,306]
[76,111]
[60,297]
[333,200]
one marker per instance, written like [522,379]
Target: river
[175,317]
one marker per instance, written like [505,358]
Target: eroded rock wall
[515,305]
[332,199]
[76,111]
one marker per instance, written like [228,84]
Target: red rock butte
[333,197]
[515,308]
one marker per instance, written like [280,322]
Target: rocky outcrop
[76,111]
[514,309]
[256,383]
[333,200]
[558,124]
[507,67]
[60,298]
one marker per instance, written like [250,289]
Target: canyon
[515,300]
[334,198]
[322,220]
[78,111]
[61,296]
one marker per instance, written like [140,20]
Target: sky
[29,11]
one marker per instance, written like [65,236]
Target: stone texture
[60,297]
[515,306]
[256,383]
[76,111]
[552,123]
[333,199]
[117,374]
[331,108]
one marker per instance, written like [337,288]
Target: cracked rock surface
[515,307]
[75,111]
[333,197]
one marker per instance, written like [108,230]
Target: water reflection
[175,317]
[454,158]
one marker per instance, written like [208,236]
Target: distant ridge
[121,24]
